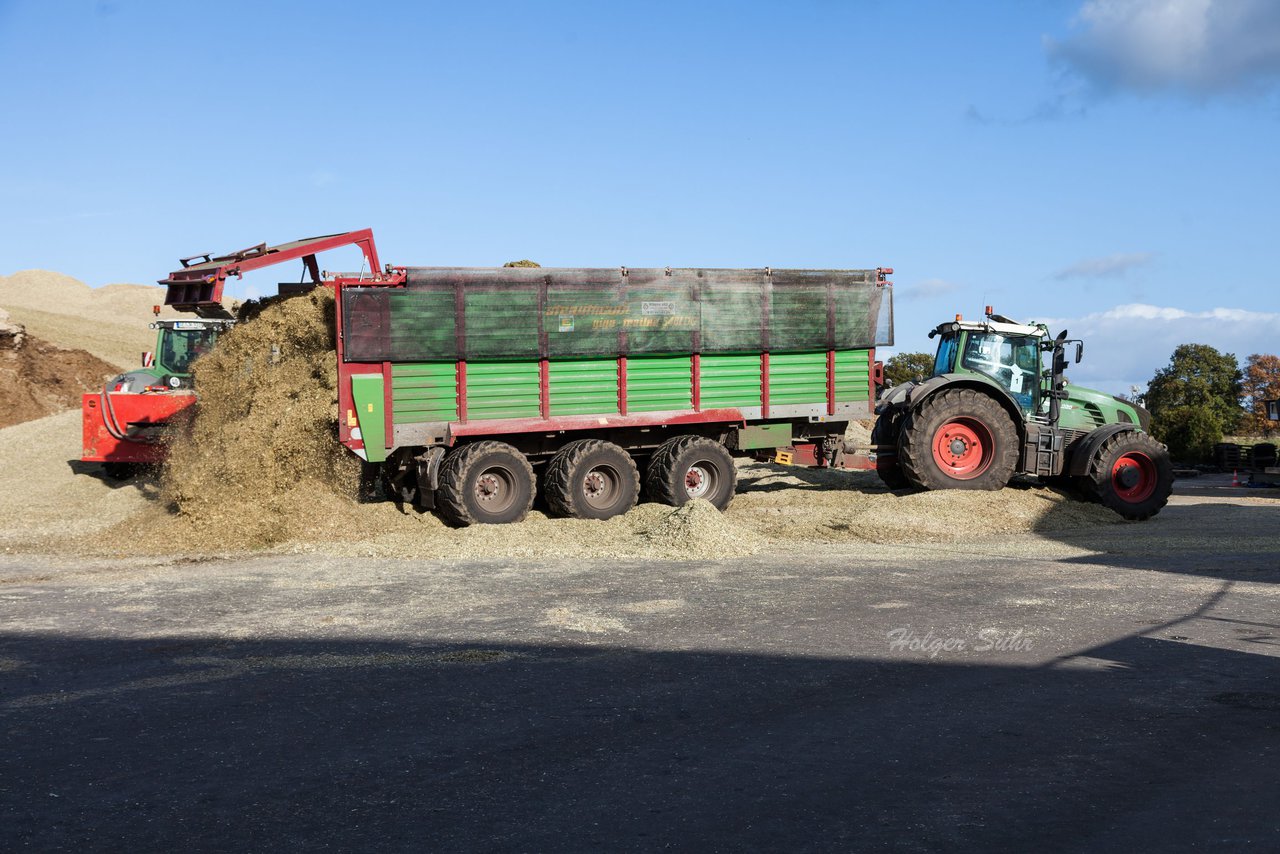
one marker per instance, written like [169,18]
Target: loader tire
[689,467]
[885,432]
[959,439]
[485,483]
[591,479]
[1131,473]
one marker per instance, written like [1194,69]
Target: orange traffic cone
[1235,478]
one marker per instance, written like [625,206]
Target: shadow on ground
[206,744]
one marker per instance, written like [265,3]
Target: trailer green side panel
[584,386]
[366,395]
[729,381]
[424,391]
[498,324]
[796,378]
[656,383]
[853,375]
[502,390]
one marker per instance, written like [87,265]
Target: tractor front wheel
[1132,474]
[485,483]
[959,439]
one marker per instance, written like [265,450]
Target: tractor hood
[1086,408]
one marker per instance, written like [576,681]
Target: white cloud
[926,289]
[1109,265]
[1196,46]
[1125,345]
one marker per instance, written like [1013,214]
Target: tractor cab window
[180,347]
[945,361]
[1013,362]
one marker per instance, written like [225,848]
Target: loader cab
[1004,353]
[181,342]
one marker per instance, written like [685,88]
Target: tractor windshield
[180,347]
[1012,361]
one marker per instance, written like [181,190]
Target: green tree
[1189,431]
[1261,383]
[908,368]
[1197,377]
[522,263]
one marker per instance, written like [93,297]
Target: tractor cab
[181,342]
[178,344]
[1001,351]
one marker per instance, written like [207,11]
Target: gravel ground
[1111,687]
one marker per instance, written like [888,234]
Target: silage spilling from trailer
[261,460]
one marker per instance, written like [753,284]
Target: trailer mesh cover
[449,313]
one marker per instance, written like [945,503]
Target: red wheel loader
[125,424]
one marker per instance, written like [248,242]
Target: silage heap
[261,458]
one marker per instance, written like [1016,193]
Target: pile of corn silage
[261,458]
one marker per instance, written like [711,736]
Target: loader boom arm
[197,287]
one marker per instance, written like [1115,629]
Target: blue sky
[1111,166]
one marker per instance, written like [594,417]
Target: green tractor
[992,410]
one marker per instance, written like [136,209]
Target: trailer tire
[959,439]
[689,467]
[485,483]
[888,466]
[591,479]
[1131,473]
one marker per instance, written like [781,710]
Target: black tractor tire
[885,432]
[591,479]
[689,467]
[487,483]
[1131,473]
[959,438]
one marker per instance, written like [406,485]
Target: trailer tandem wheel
[591,479]
[485,483]
[689,467]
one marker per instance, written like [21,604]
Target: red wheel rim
[1133,477]
[963,448]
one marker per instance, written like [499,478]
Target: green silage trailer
[474,388]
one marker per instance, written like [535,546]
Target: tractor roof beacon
[993,409]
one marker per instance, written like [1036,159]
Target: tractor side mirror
[1079,351]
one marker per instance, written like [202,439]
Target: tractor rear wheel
[959,439]
[591,479]
[485,483]
[885,433]
[689,467]
[1132,474]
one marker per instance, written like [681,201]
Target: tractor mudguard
[914,394]
[1083,450]
[895,396]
